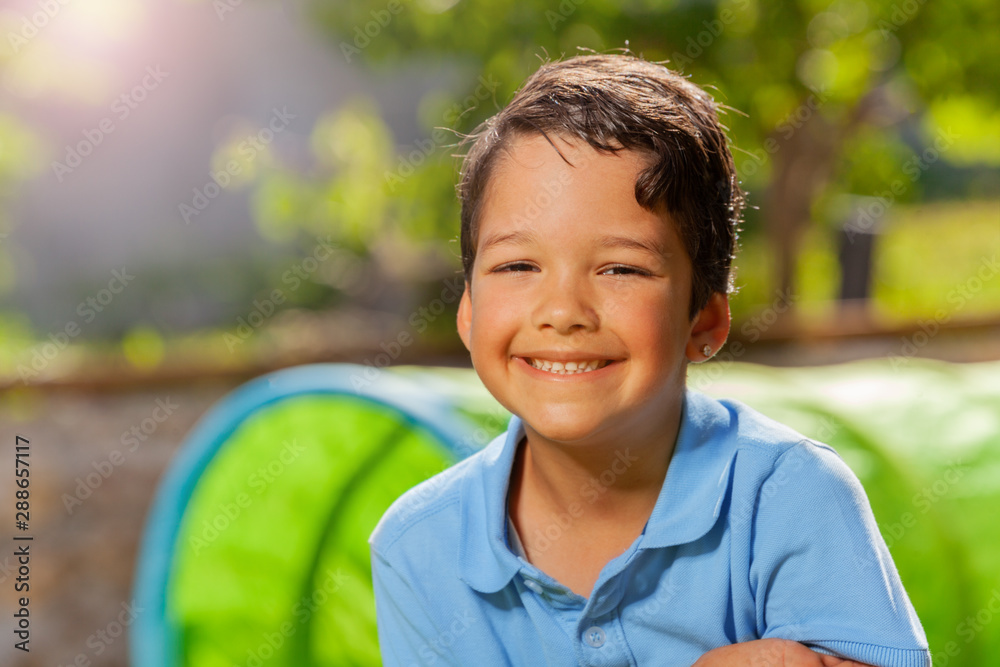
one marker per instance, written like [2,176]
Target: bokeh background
[194,192]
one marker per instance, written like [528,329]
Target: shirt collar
[485,562]
[689,503]
[694,490]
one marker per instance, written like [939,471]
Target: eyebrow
[524,238]
[630,243]
[518,238]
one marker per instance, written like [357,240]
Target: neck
[610,477]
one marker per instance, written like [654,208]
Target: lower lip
[568,377]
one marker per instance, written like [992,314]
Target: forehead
[538,187]
[557,158]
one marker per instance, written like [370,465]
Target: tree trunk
[804,160]
[802,166]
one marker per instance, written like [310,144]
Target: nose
[565,304]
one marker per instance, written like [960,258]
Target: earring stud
[706,350]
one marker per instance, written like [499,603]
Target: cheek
[499,305]
[650,324]
[491,328]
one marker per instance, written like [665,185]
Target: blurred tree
[821,89]
[20,158]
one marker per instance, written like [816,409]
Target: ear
[709,327]
[465,317]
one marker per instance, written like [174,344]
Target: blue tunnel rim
[153,640]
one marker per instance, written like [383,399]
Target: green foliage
[352,143]
[864,67]
[741,46]
[388,208]
[20,150]
[926,261]
[940,261]
[20,158]
[873,157]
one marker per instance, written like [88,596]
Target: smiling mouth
[567,367]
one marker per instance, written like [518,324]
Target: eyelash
[625,268]
[508,268]
[630,270]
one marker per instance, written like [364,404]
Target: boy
[622,519]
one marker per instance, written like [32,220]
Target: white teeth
[568,368]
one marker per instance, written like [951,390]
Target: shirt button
[533,585]
[594,636]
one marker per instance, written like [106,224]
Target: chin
[563,430]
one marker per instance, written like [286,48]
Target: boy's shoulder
[764,445]
[740,426]
[429,508]
[774,462]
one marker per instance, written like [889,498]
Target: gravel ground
[82,557]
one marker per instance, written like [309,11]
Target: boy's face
[569,268]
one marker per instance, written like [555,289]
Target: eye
[514,267]
[625,270]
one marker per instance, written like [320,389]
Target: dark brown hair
[616,102]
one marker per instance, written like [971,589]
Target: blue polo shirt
[757,532]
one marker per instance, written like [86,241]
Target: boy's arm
[406,633]
[820,572]
[771,653]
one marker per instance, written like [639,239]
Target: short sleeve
[821,572]
[406,634]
